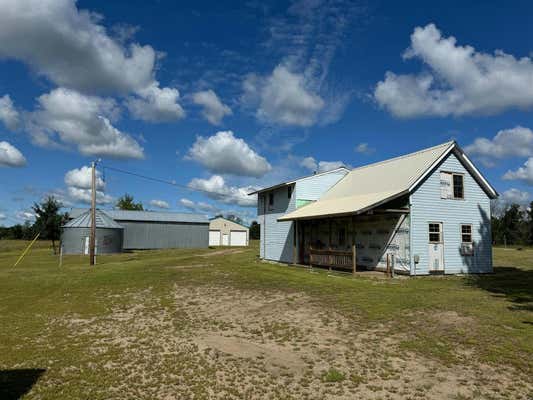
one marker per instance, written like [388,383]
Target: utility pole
[92,236]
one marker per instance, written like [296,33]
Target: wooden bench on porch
[342,259]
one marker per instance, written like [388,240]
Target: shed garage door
[214,238]
[238,238]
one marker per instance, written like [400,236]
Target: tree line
[512,225]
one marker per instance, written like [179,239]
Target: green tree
[529,225]
[255,231]
[126,203]
[48,219]
[511,225]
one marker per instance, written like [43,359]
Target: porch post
[354,253]
[310,244]
[295,245]
[330,257]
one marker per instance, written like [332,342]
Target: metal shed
[75,234]
[160,230]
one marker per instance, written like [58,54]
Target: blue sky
[228,98]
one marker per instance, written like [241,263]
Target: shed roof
[84,221]
[371,185]
[299,179]
[229,220]
[149,216]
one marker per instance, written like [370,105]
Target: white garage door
[238,238]
[214,238]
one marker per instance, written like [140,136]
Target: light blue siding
[277,238]
[313,187]
[427,206]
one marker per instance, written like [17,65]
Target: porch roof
[372,185]
[341,206]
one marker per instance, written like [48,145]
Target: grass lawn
[219,323]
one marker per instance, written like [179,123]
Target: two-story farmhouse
[422,213]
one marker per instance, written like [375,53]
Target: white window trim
[461,233]
[453,187]
[441,232]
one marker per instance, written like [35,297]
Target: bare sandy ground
[223,343]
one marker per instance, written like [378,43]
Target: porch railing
[331,258]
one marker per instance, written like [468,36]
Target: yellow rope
[25,251]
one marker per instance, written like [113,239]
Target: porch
[377,240]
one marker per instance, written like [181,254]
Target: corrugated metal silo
[75,234]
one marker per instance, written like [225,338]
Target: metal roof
[230,220]
[297,180]
[148,216]
[84,221]
[371,185]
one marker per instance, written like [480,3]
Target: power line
[159,180]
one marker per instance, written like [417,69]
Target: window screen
[289,192]
[434,233]
[466,233]
[271,199]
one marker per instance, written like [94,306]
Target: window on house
[466,233]
[435,233]
[458,188]
[289,192]
[451,185]
[271,200]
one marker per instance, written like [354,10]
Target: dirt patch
[189,266]
[452,318]
[223,343]
[222,252]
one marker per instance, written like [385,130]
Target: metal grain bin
[75,234]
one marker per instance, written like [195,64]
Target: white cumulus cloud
[216,188]
[320,166]
[25,215]
[364,148]
[515,196]
[198,206]
[515,142]
[78,195]
[524,173]
[83,121]
[81,178]
[213,109]
[10,156]
[8,114]
[78,181]
[159,203]
[74,50]
[223,153]
[282,98]
[155,104]
[71,48]
[460,80]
